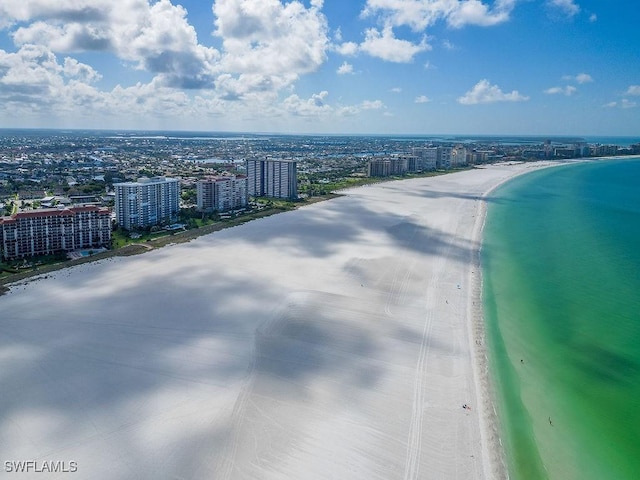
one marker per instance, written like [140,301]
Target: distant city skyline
[424,67]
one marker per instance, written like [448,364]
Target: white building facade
[271,177]
[147,202]
[223,193]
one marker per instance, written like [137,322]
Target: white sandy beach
[338,341]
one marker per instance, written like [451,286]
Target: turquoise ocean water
[561,272]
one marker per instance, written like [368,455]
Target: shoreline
[328,323]
[495,455]
[533,445]
[496,465]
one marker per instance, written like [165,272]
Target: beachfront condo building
[388,166]
[424,161]
[442,158]
[430,157]
[222,193]
[273,178]
[54,230]
[147,202]
[459,157]
[379,167]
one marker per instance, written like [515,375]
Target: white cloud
[448,45]
[345,69]
[633,90]
[156,37]
[30,74]
[566,7]
[419,14]
[348,49]
[269,37]
[33,82]
[581,78]
[372,105]
[484,92]
[85,73]
[568,90]
[593,18]
[422,99]
[396,90]
[352,110]
[348,111]
[312,107]
[474,12]
[267,45]
[386,46]
[247,87]
[624,103]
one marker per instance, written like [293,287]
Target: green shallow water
[561,274]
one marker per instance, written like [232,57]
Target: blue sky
[540,67]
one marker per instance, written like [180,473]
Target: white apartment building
[53,230]
[458,157]
[430,157]
[379,167]
[223,193]
[387,166]
[147,202]
[273,178]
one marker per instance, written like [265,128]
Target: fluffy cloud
[484,92]
[419,14]
[345,69]
[372,105]
[269,37]
[386,46]
[30,75]
[568,90]
[155,37]
[34,83]
[583,78]
[567,7]
[311,107]
[633,90]
[347,48]
[266,44]
[352,110]
[624,103]
[422,99]
[474,12]
[580,78]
